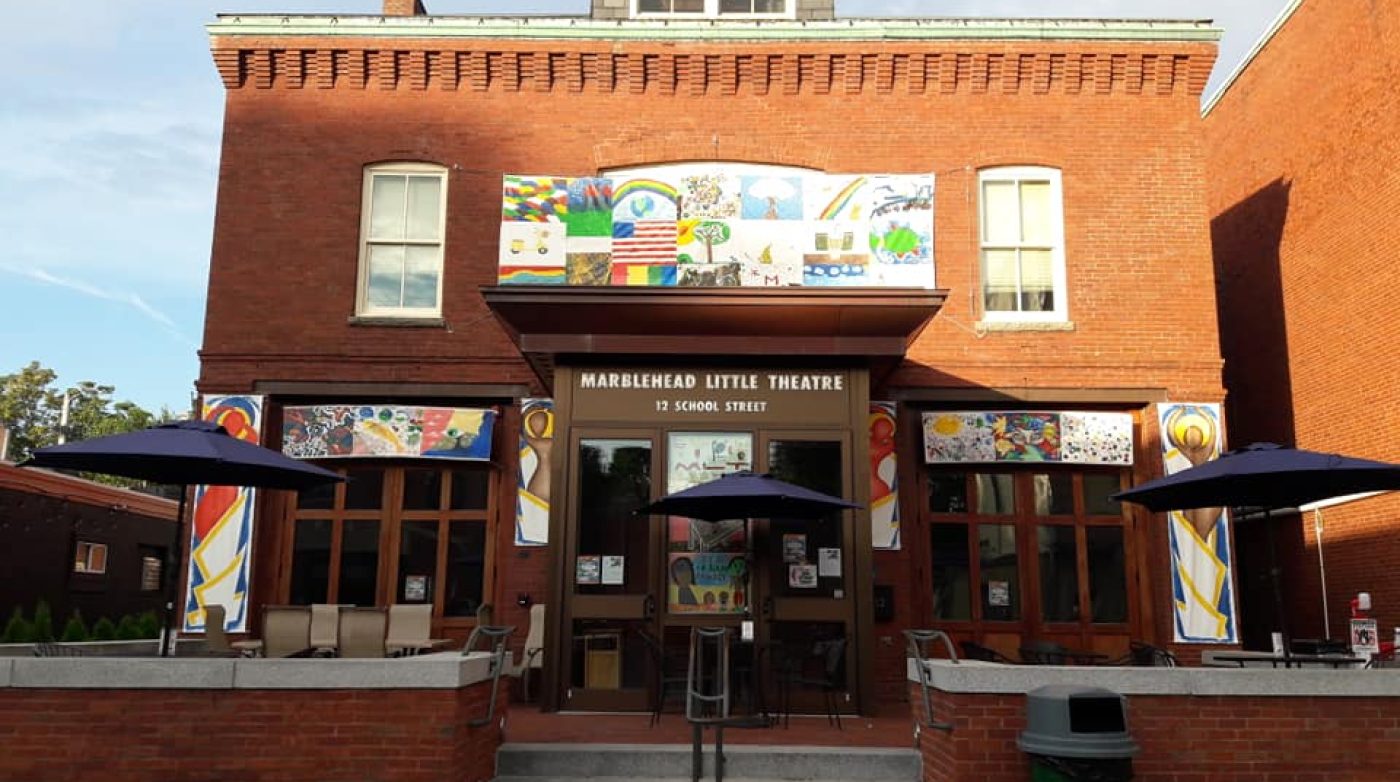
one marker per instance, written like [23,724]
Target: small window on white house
[90,557]
[1022,240]
[401,231]
[712,9]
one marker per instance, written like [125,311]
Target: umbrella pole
[1279,617]
[172,579]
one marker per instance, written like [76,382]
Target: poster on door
[707,584]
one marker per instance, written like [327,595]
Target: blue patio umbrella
[747,495]
[1267,477]
[184,453]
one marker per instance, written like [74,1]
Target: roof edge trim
[531,27]
[1278,23]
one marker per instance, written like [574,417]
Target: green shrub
[149,624]
[128,629]
[43,622]
[17,630]
[75,630]
[104,630]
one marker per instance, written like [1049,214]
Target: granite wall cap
[971,676]
[111,673]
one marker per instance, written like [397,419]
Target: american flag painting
[644,241]
[644,252]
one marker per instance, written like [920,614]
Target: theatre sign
[662,395]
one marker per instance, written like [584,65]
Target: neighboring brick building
[1303,150]
[81,546]
[1051,171]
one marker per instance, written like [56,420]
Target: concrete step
[665,762]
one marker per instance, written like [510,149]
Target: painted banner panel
[718,225]
[1203,600]
[884,480]
[221,535]
[1069,437]
[533,490]
[348,431]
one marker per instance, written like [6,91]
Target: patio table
[1289,661]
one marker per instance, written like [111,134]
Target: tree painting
[711,232]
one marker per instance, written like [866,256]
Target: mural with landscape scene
[718,225]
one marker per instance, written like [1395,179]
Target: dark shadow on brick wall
[1259,401]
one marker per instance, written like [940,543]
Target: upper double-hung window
[401,232]
[1022,243]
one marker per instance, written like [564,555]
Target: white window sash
[406,170]
[1055,215]
[711,11]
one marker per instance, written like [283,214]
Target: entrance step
[666,762]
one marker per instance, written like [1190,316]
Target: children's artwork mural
[1203,602]
[1070,437]
[707,584]
[532,486]
[884,480]
[718,225]
[347,431]
[693,458]
[221,537]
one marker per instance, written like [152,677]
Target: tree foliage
[31,407]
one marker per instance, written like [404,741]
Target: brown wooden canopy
[869,326]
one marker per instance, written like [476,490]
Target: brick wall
[52,735]
[1302,151]
[1120,119]
[1183,738]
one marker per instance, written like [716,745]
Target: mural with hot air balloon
[718,225]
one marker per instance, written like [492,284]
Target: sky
[110,117]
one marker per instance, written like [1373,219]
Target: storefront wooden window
[1024,553]
[412,533]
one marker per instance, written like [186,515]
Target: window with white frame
[401,231]
[1022,242]
[90,557]
[711,9]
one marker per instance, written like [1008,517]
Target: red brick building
[1044,278]
[1301,184]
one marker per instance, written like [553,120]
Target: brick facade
[306,113]
[58,735]
[1182,738]
[1300,189]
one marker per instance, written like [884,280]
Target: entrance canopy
[874,326]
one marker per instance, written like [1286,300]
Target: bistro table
[1288,661]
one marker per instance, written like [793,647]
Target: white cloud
[96,292]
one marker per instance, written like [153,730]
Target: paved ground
[891,728]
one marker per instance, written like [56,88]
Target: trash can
[1077,733]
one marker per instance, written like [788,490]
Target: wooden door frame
[630,606]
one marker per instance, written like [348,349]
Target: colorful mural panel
[533,492]
[707,584]
[590,207]
[534,199]
[1071,437]
[781,226]
[884,478]
[771,198]
[1203,600]
[1096,438]
[348,431]
[221,536]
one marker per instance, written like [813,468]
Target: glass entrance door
[611,603]
[804,576]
